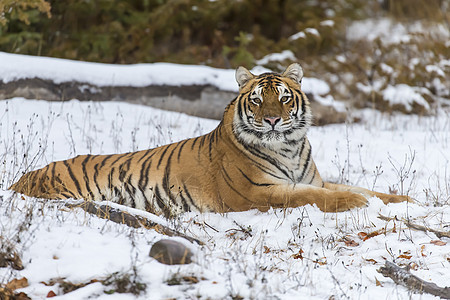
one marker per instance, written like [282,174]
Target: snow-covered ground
[17,66]
[298,253]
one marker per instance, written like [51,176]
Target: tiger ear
[243,76]
[294,72]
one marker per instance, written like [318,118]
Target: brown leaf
[404,256]
[51,294]
[266,249]
[350,243]
[371,260]
[17,284]
[298,255]
[421,251]
[377,282]
[365,236]
[362,235]
[191,279]
[438,243]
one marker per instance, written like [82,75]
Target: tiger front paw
[386,198]
[342,201]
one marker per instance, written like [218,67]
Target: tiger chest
[288,167]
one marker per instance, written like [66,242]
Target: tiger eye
[256,101]
[285,99]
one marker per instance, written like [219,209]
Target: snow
[435,69]
[391,32]
[287,254]
[296,36]
[17,66]
[405,95]
[312,31]
[284,55]
[329,23]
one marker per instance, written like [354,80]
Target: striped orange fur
[257,157]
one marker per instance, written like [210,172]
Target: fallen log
[122,217]
[402,276]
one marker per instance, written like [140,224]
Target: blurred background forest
[360,47]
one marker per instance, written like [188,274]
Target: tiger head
[271,109]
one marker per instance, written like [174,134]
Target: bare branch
[122,217]
[402,276]
[411,225]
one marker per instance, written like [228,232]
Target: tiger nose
[272,120]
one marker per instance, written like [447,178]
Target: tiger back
[257,157]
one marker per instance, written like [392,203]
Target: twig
[242,228]
[403,277]
[438,233]
[411,225]
[122,217]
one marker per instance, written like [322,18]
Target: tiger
[258,157]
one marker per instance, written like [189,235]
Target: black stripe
[95,178]
[194,140]
[260,166]
[72,176]
[44,176]
[239,108]
[66,195]
[52,180]
[200,147]
[269,159]
[312,178]
[161,203]
[32,177]
[166,177]
[252,182]
[181,148]
[211,141]
[226,178]
[118,157]
[63,187]
[162,156]
[202,141]
[144,155]
[85,175]
[193,203]
[226,174]
[306,165]
[124,168]
[118,193]
[296,101]
[110,178]
[148,205]
[303,102]
[143,178]
[301,151]
[186,207]
[131,190]
[106,159]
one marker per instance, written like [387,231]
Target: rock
[170,252]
